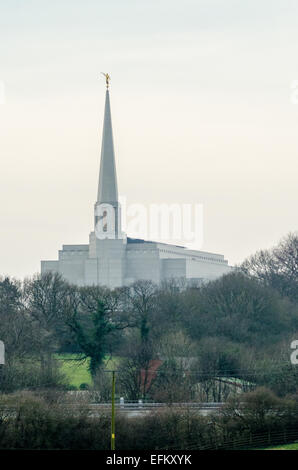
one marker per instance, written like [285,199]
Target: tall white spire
[107,186]
[107,209]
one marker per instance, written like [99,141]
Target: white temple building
[111,258]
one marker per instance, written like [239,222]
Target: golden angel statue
[108,78]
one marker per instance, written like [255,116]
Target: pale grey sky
[202,113]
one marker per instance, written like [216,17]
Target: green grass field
[283,447]
[77,372]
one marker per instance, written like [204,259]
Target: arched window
[104,221]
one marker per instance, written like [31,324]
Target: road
[133,409]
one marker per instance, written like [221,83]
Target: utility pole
[113,412]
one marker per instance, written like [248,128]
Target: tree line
[258,419]
[240,326]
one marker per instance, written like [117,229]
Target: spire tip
[108,78]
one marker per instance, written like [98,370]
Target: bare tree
[175,380]
[45,297]
[136,374]
[141,304]
[15,327]
[277,267]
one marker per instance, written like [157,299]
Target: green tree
[95,319]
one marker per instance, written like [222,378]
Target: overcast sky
[201,107]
